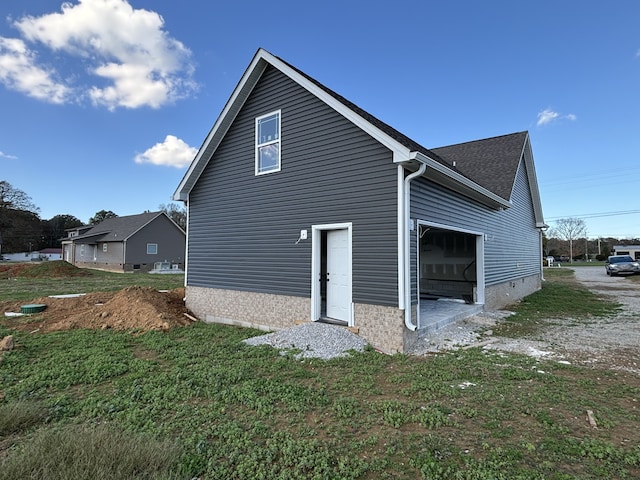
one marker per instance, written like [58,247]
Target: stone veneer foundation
[247,309]
[382,327]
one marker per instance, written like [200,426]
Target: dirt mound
[134,308]
[53,269]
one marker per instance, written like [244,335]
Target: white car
[621,264]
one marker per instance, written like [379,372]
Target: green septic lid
[33,308]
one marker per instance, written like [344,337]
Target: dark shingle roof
[389,130]
[118,228]
[491,162]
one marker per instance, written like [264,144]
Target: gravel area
[318,340]
[612,342]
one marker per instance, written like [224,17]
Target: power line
[597,215]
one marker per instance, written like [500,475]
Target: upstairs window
[152,248]
[268,143]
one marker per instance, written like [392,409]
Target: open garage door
[450,263]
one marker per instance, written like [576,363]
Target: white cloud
[547,116]
[173,152]
[6,155]
[19,71]
[133,60]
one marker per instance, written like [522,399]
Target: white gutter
[407,246]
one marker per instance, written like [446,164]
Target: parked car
[621,264]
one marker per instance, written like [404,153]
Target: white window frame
[266,143]
[104,247]
[152,253]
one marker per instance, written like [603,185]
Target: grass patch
[211,407]
[561,297]
[56,278]
[195,402]
[20,416]
[89,453]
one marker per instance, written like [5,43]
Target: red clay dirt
[134,308]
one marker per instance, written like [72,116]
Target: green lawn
[194,402]
[27,287]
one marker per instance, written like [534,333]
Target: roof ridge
[385,127]
[496,137]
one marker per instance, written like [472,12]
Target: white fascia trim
[256,63]
[260,61]
[431,163]
[532,177]
[346,112]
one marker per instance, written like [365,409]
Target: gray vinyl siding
[512,242]
[162,231]
[94,253]
[113,255]
[243,228]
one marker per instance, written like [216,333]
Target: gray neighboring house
[302,206]
[127,244]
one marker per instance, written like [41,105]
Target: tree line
[22,229]
[568,240]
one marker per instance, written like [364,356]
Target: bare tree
[176,212]
[569,229]
[15,199]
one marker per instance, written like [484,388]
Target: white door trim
[479,258]
[315,266]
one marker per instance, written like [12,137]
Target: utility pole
[586,249]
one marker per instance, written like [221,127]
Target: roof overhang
[527,158]
[455,181]
[245,86]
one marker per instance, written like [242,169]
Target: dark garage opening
[448,265]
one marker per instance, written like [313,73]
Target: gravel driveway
[612,342]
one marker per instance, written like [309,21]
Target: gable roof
[441,168]
[480,160]
[494,162]
[118,229]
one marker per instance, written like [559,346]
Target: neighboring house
[632,250]
[302,206]
[126,244]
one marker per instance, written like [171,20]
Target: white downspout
[407,246]
[186,241]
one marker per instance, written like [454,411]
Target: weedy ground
[196,402]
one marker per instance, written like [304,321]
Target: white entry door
[338,275]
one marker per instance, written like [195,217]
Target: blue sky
[103,103]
